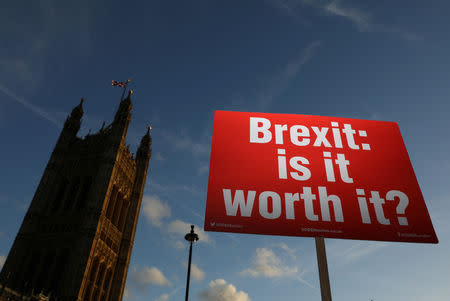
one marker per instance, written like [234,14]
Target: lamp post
[190,237]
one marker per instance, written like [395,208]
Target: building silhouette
[76,238]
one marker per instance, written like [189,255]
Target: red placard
[303,175]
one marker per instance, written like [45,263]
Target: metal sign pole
[323,269]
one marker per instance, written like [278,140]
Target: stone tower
[76,238]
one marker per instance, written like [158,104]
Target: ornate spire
[72,124]
[124,108]
[73,121]
[77,112]
[146,142]
[127,100]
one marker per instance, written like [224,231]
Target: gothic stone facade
[76,238]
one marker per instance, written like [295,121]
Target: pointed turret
[124,110]
[122,120]
[91,193]
[71,125]
[73,121]
[144,151]
[142,159]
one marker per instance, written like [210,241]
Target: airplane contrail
[35,109]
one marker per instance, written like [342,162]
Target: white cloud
[196,272]
[358,17]
[144,277]
[362,20]
[179,245]
[289,8]
[406,35]
[293,8]
[127,293]
[181,228]
[158,157]
[203,168]
[281,81]
[167,296]
[163,297]
[155,210]
[288,250]
[184,142]
[219,290]
[154,185]
[165,189]
[267,264]
[2,260]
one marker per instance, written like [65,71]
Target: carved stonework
[75,241]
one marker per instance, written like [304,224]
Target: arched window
[101,275]
[71,197]
[93,270]
[117,209]
[87,293]
[59,195]
[91,279]
[107,281]
[82,197]
[95,295]
[112,202]
[123,215]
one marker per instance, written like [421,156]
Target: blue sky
[380,60]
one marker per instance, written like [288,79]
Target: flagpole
[124,89]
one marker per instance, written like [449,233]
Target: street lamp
[191,237]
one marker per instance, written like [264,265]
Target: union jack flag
[119,84]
